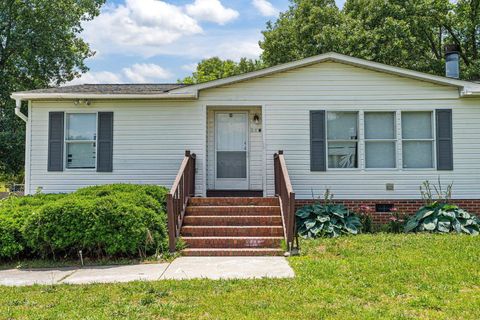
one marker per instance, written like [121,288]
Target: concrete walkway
[180,269]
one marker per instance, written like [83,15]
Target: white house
[369,132]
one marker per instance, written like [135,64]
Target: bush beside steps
[111,221]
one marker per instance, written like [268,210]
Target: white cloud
[191,67]
[139,23]
[137,73]
[145,73]
[265,8]
[97,77]
[211,10]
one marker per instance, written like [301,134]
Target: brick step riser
[234,201]
[223,210]
[232,221]
[246,214]
[226,252]
[231,232]
[233,243]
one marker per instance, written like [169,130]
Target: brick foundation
[406,206]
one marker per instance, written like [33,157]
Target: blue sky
[154,41]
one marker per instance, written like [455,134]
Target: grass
[368,277]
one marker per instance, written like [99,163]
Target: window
[380,140]
[342,139]
[417,140]
[81,140]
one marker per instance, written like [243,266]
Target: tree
[39,47]
[307,28]
[216,68]
[404,33]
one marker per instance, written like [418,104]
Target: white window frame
[343,140]
[67,142]
[361,140]
[394,139]
[433,139]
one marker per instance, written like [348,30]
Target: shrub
[102,221]
[13,213]
[327,220]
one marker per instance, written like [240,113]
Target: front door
[231,151]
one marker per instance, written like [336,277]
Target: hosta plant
[439,215]
[443,218]
[326,220]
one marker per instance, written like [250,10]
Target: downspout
[18,112]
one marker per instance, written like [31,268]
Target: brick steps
[232,252]
[234,201]
[233,210]
[233,242]
[232,231]
[232,226]
[251,220]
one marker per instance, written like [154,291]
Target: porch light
[256,119]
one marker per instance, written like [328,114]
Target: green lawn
[368,276]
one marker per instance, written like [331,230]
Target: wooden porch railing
[182,189]
[284,191]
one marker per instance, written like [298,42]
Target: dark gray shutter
[55,141]
[105,142]
[317,141]
[444,139]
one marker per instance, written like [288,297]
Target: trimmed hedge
[103,221]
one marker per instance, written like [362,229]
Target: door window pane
[231,164]
[81,155]
[231,140]
[416,125]
[81,126]
[379,125]
[417,154]
[380,154]
[342,155]
[231,132]
[342,125]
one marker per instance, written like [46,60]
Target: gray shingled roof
[112,88]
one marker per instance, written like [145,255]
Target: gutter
[18,112]
[469,92]
[97,96]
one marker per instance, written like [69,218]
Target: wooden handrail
[284,191]
[183,188]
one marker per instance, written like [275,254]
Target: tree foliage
[216,68]
[39,47]
[404,33]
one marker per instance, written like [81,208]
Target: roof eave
[103,96]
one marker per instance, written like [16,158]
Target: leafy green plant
[443,218]
[102,221]
[440,216]
[396,222]
[365,214]
[326,220]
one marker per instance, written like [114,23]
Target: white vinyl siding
[288,97]
[149,141]
[150,137]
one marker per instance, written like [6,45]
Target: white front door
[231,151]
